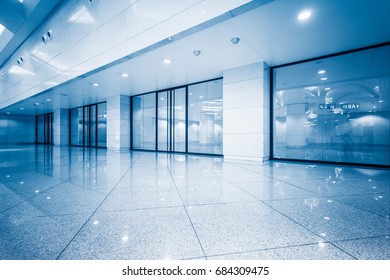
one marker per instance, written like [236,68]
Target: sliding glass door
[88,126]
[183,119]
[44,129]
[171,124]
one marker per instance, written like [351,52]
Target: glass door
[171,120]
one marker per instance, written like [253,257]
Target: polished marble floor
[75,203]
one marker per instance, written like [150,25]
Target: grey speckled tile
[141,234]
[331,219]
[274,190]
[377,203]
[368,249]
[209,192]
[240,227]
[37,238]
[140,198]
[320,251]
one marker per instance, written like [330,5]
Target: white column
[61,127]
[118,123]
[246,113]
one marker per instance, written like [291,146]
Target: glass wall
[183,119]
[205,118]
[88,125]
[102,124]
[76,127]
[334,109]
[44,129]
[144,121]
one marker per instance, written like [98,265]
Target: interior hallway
[75,203]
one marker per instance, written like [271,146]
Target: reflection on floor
[74,203]
[336,153]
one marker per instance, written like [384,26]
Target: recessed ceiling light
[95,84]
[201,96]
[125,75]
[36,103]
[324,79]
[380,101]
[322,71]
[167,61]
[235,40]
[21,108]
[197,52]
[48,100]
[304,15]
[328,88]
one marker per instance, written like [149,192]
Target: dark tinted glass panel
[102,124]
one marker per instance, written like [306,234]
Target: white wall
[17,129]
[246,111]
[118,123]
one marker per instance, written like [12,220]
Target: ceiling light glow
[95,84]
[2,29]
[167,61]
[324,79]
[322,71]
[125,75]
[304,15]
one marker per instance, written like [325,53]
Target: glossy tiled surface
[74,203]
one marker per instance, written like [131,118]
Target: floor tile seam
[256,198]
[294,221]
[361,209]
[313,232]
[302,188]
[188,216]
[32,197]
[90,216]
[361,238]
[273,248]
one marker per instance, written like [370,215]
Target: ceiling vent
[49,34]
[44,39]
[20,60]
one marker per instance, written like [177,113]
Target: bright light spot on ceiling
[125,75]
[322,71]
[167,61]
[304,15]
[2,29]
[81,16]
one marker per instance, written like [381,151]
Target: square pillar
[61,127]
[246,113]
[118,123]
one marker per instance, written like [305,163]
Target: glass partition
[102,124]
[335,109]
[144,121]
[88,125]
[44,129]
[205,118]
[183,119]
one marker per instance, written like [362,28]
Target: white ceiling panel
[269,32]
